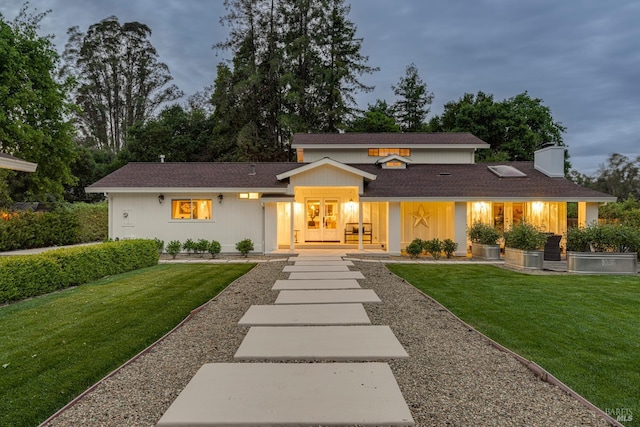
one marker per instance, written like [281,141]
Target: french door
[322,220]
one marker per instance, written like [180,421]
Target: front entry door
[322,218]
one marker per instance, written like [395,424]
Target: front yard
[584,330]
[54,347]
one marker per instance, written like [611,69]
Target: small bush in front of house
[159,245]
[32,275]
[449,247]
[244,247]
[173,248]
[201,247]
[189,245]
[214,248]
[415,248]
[434,247]
[483,234]
[525,236]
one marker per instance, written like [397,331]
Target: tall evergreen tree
[412,107]
[295,68]
[120,79]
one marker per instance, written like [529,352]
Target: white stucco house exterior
[354,191]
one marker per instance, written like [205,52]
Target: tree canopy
[379,117]
[296,66]
[33,111]
[515,127]
[620,177]
[120,80]
[411,108]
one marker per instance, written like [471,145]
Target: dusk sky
[582,58]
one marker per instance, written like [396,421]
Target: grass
[584,330]
[56,346]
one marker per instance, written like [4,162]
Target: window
[249,196]
[395,164]
[191,209]
[384,152]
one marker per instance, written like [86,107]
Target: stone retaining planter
[485,252]
[602,262]
[528,260]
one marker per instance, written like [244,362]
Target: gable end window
[199,209]
[384,152]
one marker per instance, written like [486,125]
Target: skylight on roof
[504,171]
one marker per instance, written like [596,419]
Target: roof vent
[444,174]
[253,169]
[504,171]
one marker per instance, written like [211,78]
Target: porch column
[395,228]
[587,213]
[460,227]
[292,244]
[360,226]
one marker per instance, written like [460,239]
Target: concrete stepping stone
[315,258]
[347,263]
[327,296]
[326,275]
[305,314]
[316,284]
[314,268]
[290,394]
[374,342]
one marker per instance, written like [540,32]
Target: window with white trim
[199,209]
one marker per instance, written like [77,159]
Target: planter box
[528,260]
[485,252]
[602,262]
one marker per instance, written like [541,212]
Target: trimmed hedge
[66,225]
[28,276]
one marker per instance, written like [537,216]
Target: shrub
[449,247]
[244,246]
[189,245]
[525,236]
[159,245]
[201,246]
[415,248]
[32,275]
[214,248]
[484,234]
[603,238]
[66,224]
[434,247]
[174,247]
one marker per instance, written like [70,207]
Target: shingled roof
[206,176]
[473,182]
[417,181]
[388,139]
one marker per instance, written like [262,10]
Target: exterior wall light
[220,197]
[161,198]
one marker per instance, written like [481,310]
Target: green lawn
[585,330]
[54,347]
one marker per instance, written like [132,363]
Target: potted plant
[523,246]
[603,249]
[484,241]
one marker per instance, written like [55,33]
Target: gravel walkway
[453,376]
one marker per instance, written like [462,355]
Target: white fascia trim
[128,190]
[326,161]
[361,146]
[392,157]
[488,199]
[17,164]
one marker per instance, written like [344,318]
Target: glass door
[322,219]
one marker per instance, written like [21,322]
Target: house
[348,190]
